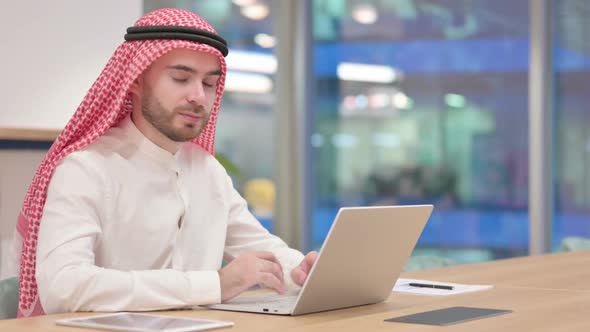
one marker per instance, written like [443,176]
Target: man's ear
[135,88]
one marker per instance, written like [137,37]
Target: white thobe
[130,226]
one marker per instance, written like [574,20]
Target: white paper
[402,286]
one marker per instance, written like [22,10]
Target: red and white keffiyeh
[107,102]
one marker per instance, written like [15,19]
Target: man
[129,210]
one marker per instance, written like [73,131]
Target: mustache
[199,110]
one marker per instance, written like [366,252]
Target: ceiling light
[455,100]
[265,40]
[365,14]
[348,71]
[243,3]
[255,12]
[251,61]
[248,83]
[401,101]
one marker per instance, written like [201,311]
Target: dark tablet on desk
[448,316]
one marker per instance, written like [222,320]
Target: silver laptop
[359,263]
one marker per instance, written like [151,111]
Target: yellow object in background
[260,194]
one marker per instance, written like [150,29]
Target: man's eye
[209,84]
[180,80]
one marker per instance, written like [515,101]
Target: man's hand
[251,269]
[300,273]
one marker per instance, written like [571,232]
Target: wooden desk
[564,271]
[535,308]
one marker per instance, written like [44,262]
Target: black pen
[415,284]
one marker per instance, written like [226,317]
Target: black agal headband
[177,32]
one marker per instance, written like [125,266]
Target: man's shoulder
[94,155]
[86,160]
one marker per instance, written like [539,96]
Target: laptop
[362,257]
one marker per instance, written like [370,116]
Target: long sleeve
[79,199]
[245,233]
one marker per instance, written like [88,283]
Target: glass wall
[425,102]
[572,126]
[417,101]
[245,131]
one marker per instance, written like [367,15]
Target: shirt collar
[162,156]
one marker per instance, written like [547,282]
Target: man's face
[178,93]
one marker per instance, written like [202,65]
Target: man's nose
[196,94]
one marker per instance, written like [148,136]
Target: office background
[478,107]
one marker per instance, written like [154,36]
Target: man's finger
[308,261]
[271,267]
[271,281]
[298,275]
[266,255]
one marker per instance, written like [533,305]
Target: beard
[163,119]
